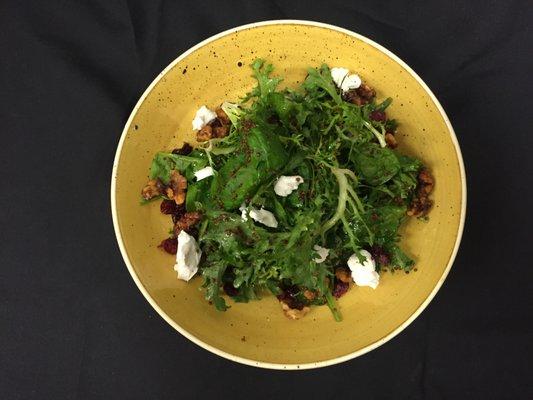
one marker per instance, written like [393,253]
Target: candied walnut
[343,275]
[222,116]
[421,204]
[360,96]
[220,131]
[420,207]
[153,188]
[391,140]
[366,92]
[309,294]
[351,96]
[293,313]
[427,189]
[247,125]
[186,222]
[177,187]
[184,150]
[425,177]
[204,134]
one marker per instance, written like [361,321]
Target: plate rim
[262,364]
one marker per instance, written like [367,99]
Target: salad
[295,192]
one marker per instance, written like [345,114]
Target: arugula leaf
[384,222]
[164,163]
[265,83]
[198,195]
[233,111]
[400,259]
[383,105]
[321,79]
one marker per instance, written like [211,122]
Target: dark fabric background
[72,323]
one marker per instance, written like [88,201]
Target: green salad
[295,192]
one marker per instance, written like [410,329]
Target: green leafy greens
[354,196]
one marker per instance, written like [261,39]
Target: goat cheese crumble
[322,252]
[343,80]
[364,274]
[203,116]
[204,173]
[285,185]
[262,216]
[187,256]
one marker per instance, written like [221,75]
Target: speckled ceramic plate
[258,333]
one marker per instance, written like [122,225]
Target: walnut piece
[390,140]
[177,187]
[421,204]
[153,188]
[343,275]
[293,313]
[220,131]
[309,294]
[205,133]
[222,116]
[186,222]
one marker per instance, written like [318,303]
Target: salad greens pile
[355,191]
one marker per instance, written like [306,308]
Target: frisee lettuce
[354,196]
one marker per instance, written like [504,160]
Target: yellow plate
[258,333]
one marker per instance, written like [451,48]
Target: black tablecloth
[74,325]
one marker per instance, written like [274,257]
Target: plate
[258,333]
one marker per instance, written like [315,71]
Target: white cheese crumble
[343,80]
[187,257]
[203,116]
[322,252]
[285,185]
[262,216]
[364,274]
[204,173]
[244,213]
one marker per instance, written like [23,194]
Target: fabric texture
[73,323]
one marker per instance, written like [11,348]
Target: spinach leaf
[377,165]
[242,175]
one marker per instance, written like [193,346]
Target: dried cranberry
[179,213]
[295,304]
[380,255]
[288,296]
[340,288]
[292,290]
[378,115]
[169,245]
[230,289]
[193,232]
[169,207]
[184,150]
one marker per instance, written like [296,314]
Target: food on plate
[298,192]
